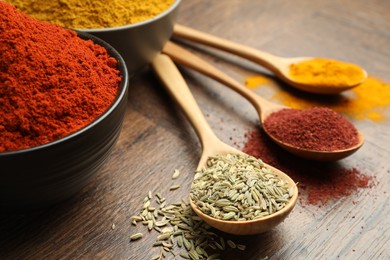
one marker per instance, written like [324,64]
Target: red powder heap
[52,83]
[318,182]
[319,129]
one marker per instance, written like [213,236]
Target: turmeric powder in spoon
[322,72]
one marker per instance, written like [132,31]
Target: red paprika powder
[318,182]
[52,83]
[319,129]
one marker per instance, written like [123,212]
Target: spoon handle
[184,57]
[265,59]
[178,89]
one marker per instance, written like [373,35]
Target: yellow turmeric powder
[370,100]
[326,72]
[254,81]
[89,14]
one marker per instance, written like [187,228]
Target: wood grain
[156,139]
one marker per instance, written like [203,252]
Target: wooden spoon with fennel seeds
[211,146]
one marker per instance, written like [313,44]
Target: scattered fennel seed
[175,174]
[231,244]
[136,236]
[182,233]
[241,247]
[156,257]
[174,187]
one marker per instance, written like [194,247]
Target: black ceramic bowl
[140,42]
[44,175]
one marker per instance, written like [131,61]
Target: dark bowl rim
[133,25]
[123,86]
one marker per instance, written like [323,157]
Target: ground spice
[326,72]
[370,100]
[254,81]
[52,82]
[92,14]
[319,129]
[318,183]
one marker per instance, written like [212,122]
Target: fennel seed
[180,229]
[136,236]
[232,185]
[175,174]
[174,187]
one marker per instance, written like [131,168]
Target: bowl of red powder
[63,98]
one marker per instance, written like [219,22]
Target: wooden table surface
[156,139]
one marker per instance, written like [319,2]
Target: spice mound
[92,14]
[318,129]
[52,83]
[327,73]
[237,187]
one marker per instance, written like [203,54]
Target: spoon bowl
[249,227]
[319,155]
[263,107]
[212,145]
[278,65]
[281,68]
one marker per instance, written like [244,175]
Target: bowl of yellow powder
[138,29]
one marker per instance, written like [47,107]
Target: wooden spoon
[263,107]
[278,65]
[211,145]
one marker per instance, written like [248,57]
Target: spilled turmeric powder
[326,72]
[370,100]
[254,81]
[90,14]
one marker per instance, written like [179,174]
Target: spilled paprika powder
[52,83]
[318,183]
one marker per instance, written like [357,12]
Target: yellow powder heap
[89,14]
[326,73]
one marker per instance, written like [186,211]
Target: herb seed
[231,244]
[174,187]
[180,228]
[136,236]
[176,174]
